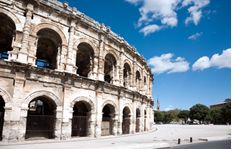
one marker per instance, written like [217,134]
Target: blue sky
[186,43]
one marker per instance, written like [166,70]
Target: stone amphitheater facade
[64,75]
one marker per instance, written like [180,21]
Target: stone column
[95,67]
[71,62]
[99,98]
[133,83]
[23,53]
[101,59]
[119,112]
[120,68]
[61,57]
[115,124]
[15,124]
[142,118]
[58,123]
[91,129]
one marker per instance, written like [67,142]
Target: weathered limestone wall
[21,81]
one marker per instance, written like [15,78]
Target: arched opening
[107,120]
[137,79]
[109,68]
[84,60]
[145,120]
[48,45]
[7,34]
[126,120]
[80,120]
[126,75]
[2,111]
[145,82]
[41,118]
[137,125]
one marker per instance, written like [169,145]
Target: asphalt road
[226,144]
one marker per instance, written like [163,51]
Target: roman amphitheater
[64,75]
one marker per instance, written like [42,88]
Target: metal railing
[40,126]
[80,126]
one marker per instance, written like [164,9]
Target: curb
[42,141]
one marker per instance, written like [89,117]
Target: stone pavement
[161,136]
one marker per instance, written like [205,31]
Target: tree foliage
[198,112]
[158,116]
[184,114]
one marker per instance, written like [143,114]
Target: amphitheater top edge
[65,8]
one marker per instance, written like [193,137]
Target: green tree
[216,115]
[184,114]
[168,117]
[158,116]
[226,113]
[174,114]
[198,112]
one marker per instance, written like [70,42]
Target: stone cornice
[67,79]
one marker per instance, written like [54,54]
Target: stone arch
[128,62]
[126,120]
[112,52]
[86,99]
[6,96]
[36,94]
[41,118]
[111,103]
[109,112]
[127,74]
[52,27]
[128,106]
[87,41]
[11,15]
[85,59]
[138,118]
[83,108]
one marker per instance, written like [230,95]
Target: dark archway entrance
[49,43]
[107,120]
[109,68]
[137,125]
[7,34]
[81,117]
[126,75]
[126,121]
[84,60]
[2,110]
[41,118]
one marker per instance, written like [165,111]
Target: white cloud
[202,63]
[166,64]
[164,12]
[170,107]
[195,36]
[218,61]
[195,10]
[150,29]
[135,2]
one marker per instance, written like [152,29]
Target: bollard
[191,139]
[179,141]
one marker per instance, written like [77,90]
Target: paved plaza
[161,136]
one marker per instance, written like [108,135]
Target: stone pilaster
[58,123]
[91,124]
[23,53]
[101,59]
[71,62]
[61,57]
[121,67]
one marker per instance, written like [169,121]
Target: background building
[63,75]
